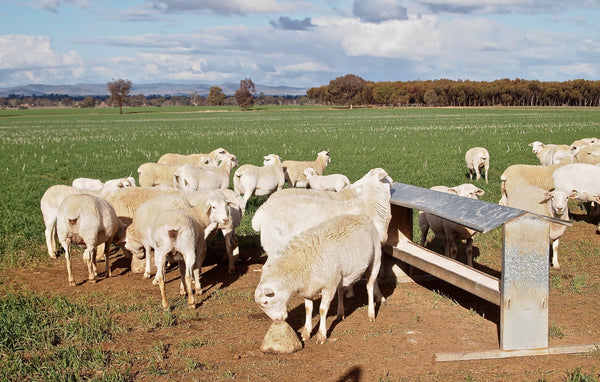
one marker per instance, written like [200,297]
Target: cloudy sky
[301,43]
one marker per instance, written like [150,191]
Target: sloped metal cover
[472,213]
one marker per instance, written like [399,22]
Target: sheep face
[218,211]
[309,172]
[271,159]
[536,146]
[325,155]
[558,201]
[272,301]
[467,190]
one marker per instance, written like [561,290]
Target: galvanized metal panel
[476,214]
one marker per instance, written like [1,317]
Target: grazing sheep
[178,237]
[581,177]
[333,182]
[477,158]
[281,218]
[525,174]
[293,169]
[88,184]
[318,262]
[192,178]
[546,203]
[199,160]
[250,179]
[88,220]
[551,154]
[448,230]
[154,174]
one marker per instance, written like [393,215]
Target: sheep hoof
[321,339]
[92,281]
[147,275]
[72,283]
[304,334]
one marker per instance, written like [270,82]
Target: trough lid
[476,214]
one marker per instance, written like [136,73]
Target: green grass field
[40,148]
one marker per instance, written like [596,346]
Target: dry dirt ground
[220,340]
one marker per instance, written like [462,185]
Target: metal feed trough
[521,292]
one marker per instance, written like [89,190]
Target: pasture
[116,329]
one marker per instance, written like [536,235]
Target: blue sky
[301,43]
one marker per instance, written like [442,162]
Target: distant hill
[145,89]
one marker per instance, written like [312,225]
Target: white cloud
[24,52]
[505,6]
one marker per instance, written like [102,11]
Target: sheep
[194,159]
[320,261]
[581,177]
[546,203]
[209,211]
[587,154]
[121,182]
[448,230]
[178,237]
[525,174]
[88,184]
[293,169]
[280,218]
[153,174]
[477,158]
[250,179]
[88,220]
[192,178]
[551,154]
[333,182]
[580,145]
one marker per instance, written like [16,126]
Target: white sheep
[192,178]
[551,154]
[250,179]
[447,230]
[89,184]
[152,174]
[121,182]
[332,182]
[546,203]
[581,177]
[318,262]
[280,218]
[209,211]
[293,169]
[525,174]
[587,154]
[178,237]
[197,159]
[477,159]
[88,220]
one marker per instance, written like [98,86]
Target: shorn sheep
[447,230]
[250,179]
[332,182]
[525,174]
[318,262]
[293,169]
[88,184]
[281,218]
[546,203]
[551,154]
[178,237]
[156,174]
[478,159]
[88,220]
[581,177]
[197,159]
[193,178]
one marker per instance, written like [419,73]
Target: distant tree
[119,90]
[87,102]
[216,97]
[347,89]
[66,101]
[244,96]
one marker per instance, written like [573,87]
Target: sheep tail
[173,234]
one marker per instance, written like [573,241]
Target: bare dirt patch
[220,339]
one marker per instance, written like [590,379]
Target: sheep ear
[453,191]
[574,194]
[480,192]
[547,196]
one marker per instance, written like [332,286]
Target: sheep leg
[469,251]
[424,226]
[307,329]
[200,256]
[372,284]
[186,273]
[450,247]
[67,247]
[477,173]
[89,255]
[107,270]
[487,167]
[148,268]
[231,245]
[50,233]
[326,297]
[341,314]
[555,264]
[159,278]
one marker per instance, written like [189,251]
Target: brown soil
[220,340]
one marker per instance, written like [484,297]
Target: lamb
[121,182]
[546,203]
[551,154]
[477,158]
[281,218]
[155,174]
[581,177]
[293,169]
[88,220]
[333,182]
[250,179]
[327,257]
[192,178]
[194,159]
[88,184]
[209,211]
[524,174]
[448,230]
[178,237]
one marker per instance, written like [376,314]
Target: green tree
[87,102]
[244,96]
[119,90]
[216,97]
[347,90]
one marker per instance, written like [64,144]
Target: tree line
[352,90]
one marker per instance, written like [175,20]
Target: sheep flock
[320,233]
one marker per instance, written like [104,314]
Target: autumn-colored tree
[244,96]
[87,102]
[119,90]
[216,97]
[347,90]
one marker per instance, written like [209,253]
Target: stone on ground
[280,339]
